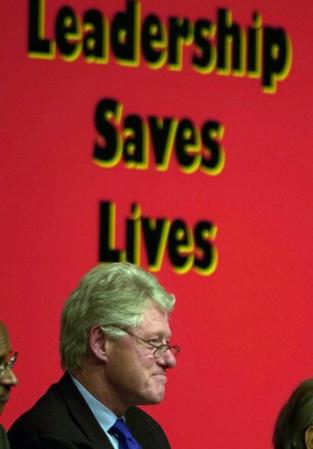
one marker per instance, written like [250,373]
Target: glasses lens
[12,359]
[9,363]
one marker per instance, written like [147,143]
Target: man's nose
[168,359]
[9,377]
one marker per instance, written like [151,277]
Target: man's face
[134,375]
[8,378]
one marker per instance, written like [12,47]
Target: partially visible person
[115,351]
[294,425]
[7,376]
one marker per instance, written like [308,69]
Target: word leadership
[131,39]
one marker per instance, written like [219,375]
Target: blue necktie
[123,435]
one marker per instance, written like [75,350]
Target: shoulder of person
[137,414]
[141,422]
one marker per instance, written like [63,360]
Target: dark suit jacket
[4,443]
[62,419]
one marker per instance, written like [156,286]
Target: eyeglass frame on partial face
[163,347]
[9,363]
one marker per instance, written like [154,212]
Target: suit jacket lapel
[82,414]
[4,443]
[142,434]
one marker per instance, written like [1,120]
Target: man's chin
[155,397]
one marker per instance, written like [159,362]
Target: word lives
[185,247]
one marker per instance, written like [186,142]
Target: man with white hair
[115,351]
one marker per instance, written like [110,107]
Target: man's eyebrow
[161,335]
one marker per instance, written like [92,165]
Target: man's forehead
[155,319]
[154,312]
[4,338]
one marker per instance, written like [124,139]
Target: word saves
[130,139]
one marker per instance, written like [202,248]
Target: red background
[246,330]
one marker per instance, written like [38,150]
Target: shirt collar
[103,415]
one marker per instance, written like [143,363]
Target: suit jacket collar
[4,442]
[84,418]
[82,414]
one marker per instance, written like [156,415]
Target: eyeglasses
[9,363]
[158,350]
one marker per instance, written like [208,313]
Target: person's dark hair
[294,418]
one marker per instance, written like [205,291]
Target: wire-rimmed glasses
[9,363]
[158,350]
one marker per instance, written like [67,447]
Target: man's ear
[98,342]
[308,437]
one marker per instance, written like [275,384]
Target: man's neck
[94,380]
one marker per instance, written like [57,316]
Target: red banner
[175,135]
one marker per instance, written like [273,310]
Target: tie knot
[125,439]
[120,428]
